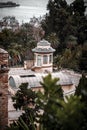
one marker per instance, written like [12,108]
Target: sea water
[26,10]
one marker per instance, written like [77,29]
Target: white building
[43,57]
[42,65]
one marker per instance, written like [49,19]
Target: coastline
[8,4]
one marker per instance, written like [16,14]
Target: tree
[6,38]
[52,38]
[11,23]
[24,99]
[65,20]
[15,51]
[71,41]
[79,19]
[82,91]
[80,23]
[83,59]
[21,125]
[57,113]
[78,6]
[63,61]
[70,112]
[54,113]
[58,19]
[49,102]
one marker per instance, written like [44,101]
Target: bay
[23,13]
[26,10]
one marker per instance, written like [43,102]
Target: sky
[41,3]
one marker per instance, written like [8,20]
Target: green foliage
[71,41]
[70,58]
[25,100]
[82,90]
[57,113]
[6,37]
[48,104]
[57,18]
[78,6]
[24,97]
[70,112]
[13,127]
[17,42]
[21,125]
[69,24]
[51,88]
[83,59]
[54,113]
[24,125]
[65,20]
[65,26]
[52,38]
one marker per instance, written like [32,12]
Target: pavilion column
[48,58]
[41,60]
[35,62]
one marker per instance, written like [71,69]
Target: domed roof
[3,51]
[43,43]
[35,79]
[43,50]
[43,47]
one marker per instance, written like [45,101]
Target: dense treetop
[65,26]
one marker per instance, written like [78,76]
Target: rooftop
[43,47]
[3,51]
[19,75]
[43,50]
[43,43]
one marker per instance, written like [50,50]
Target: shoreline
[8,4]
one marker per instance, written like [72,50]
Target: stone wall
[3,91]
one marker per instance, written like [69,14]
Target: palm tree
[71,41]
[54,40]
[15,50]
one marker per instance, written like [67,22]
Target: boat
[8,4]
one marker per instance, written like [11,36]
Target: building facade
[43,57]
[33,73]
[3,89]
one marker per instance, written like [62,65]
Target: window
[50,58]
[38,60]
[45,59]
[25,76]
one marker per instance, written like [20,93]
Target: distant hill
[8,4]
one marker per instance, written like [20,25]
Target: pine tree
[81,90]
[57,113]
[49,102]
[78,6]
